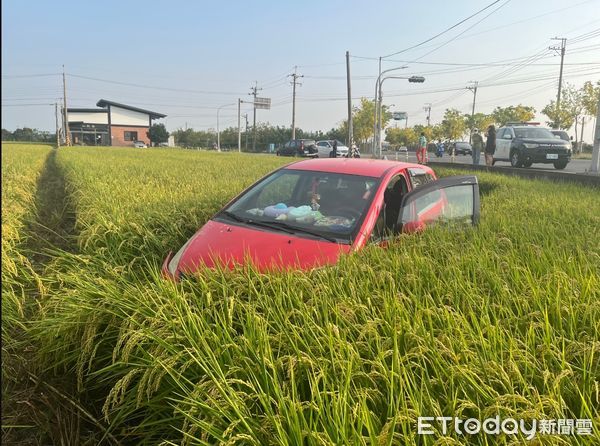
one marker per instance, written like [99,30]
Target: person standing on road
[490,145]
[334,151]
[477,140]
[422,149]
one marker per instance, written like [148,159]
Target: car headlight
[531,145]
[174,263]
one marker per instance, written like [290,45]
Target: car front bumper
[545,156]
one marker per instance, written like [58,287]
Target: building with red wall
[113,124]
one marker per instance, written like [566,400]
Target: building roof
[87,110]
[153,115]
[353,166]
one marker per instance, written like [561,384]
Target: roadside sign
[399,116]
[263,103]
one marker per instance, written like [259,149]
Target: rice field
[501,320]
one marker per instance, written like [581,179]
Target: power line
[460,34]
[443,32]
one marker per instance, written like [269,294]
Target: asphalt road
[575,166]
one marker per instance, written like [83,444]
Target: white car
[325,148]
[139,144]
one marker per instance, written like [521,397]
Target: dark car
[462,148]
[564,136]
[299,147]
[523,144]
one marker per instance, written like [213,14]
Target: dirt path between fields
[54,226]
[45,409]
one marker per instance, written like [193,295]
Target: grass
[504,319]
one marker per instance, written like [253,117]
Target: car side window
[507,134]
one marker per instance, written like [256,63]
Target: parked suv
[523,144]
[299,147]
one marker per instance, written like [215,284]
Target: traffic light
[416,79]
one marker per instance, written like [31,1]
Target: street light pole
[412,79]
[377,113]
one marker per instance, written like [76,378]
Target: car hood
[546,141]
[218,243]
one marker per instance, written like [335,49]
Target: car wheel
[515,160]
[560,164]
[527,163]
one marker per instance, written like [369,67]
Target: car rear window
[533,133]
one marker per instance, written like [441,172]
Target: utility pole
[562,48]
[473,88]
[254,90]
[56,121]
[595,164]
[239,127]
[246,132]
[294,77]
[350,129]
[67,130]
[427,108]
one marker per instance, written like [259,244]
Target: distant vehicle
[299,147]
[523,144]
[325,149]
[564,136]
[139,144]
[307,214]
[163,144]
[462,148]
[403,150]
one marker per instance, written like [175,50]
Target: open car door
[450,201]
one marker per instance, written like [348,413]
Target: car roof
[354,166]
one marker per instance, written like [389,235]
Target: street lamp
[218,131]
[411,79]
[378,104]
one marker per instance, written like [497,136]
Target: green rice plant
[501,320]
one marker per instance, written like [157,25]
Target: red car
[308,213]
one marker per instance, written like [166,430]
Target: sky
[192,60]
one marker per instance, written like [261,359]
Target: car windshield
[308,142]
[534,133]
[339,143]
[315,204]
[563,135]
[463,144]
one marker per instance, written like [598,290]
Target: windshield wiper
[263,224]
[279,226]
[302,230]
[234,216]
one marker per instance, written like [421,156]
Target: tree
[157,133]
[503,115]
[7,135]
[453,124]
[590,96]
[558,118]
[479,121]
[363,120]
[400,136]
